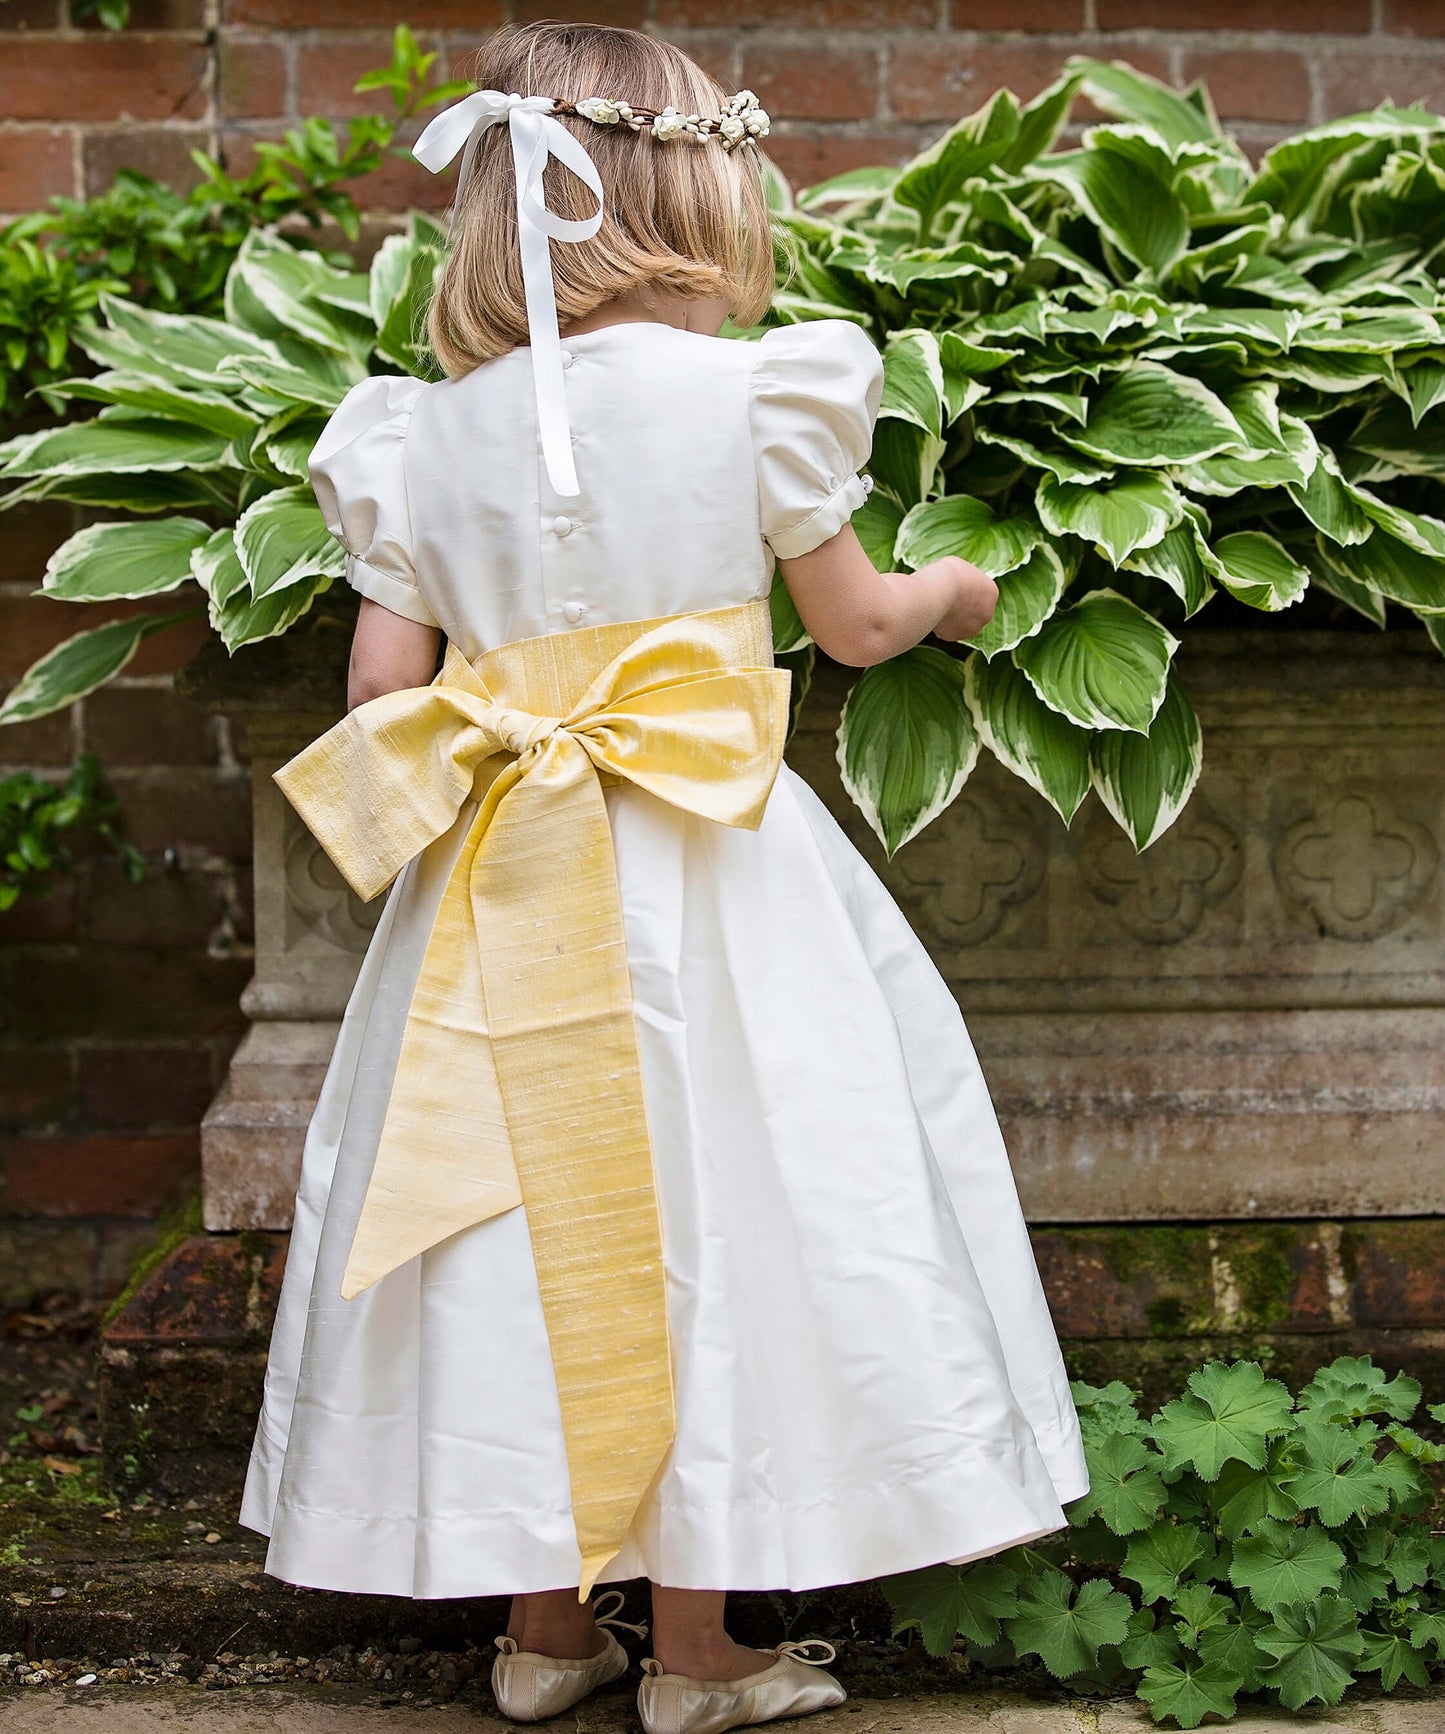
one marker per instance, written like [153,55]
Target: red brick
[131,995]
[35,1084]
[96,1175]
[114,76]
[945,77]
[159,15]
[38,918]
[1348,17]
[717,52]
[35,162]
[1249,84]
[400,184]
[30,536]
[1360,78]
[144,1088]
[31,625]
[1016,14]
[163,153]
[148,726]
[327,69]
[46,742]
[1415,17]
[805,14]
[807,158]
[814,83]
[250,79]
[186,810]
[1399,1272]
[170,908]
[29,15]
[628,14]
[365,14]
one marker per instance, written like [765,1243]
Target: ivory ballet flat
[529,1687]
[795,1685]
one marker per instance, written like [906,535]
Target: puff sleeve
[357,475]
[815,393]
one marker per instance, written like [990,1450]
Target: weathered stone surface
[253,1133]
[1248,1021]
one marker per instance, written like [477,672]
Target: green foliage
[40,824]
[1237,1542]
[1125,379]
[202,436]
[1180,375]
[172,251]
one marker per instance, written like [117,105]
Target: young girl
[654,1220]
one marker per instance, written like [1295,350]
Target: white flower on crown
[669,124]
[599,109]
[758,123]
[732,130]
[743,103]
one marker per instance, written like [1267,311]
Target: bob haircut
[681,217]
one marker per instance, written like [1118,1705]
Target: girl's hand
[975,598]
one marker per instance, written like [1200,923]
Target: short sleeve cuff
[391,592]
[823,524]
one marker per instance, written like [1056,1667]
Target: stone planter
[1220,1065]
[1246,1021]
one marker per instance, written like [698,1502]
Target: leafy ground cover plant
[1123,378]
[1237,1543]
[41,822]
[171,251]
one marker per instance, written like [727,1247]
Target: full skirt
[867,1377]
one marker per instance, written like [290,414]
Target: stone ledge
[182,1363]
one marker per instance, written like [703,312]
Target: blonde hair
[681,217]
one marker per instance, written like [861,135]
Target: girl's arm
[388,653]
[860,616]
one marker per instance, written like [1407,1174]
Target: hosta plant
[1125,379]
[1237,1543]
[202,438]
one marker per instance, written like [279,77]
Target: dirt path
[321,1710]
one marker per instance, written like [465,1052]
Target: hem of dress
[494,1555]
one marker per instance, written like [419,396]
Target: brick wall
[118,1003]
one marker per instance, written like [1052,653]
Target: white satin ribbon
[535,137]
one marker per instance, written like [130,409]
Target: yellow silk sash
[518,1080]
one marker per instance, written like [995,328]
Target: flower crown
[743,120]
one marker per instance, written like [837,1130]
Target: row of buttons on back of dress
[563,526]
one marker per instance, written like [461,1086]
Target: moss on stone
[174,1227]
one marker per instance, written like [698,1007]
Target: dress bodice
[699,459]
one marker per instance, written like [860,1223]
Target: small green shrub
[171,251]
[1236,1543]
[40,823]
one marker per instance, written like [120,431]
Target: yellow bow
[518,1080]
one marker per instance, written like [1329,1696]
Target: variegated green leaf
[1046,750]
[1146,780]
[79,665]
[108,562]
[1103,663]
[906,742]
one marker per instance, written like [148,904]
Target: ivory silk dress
[866,1374]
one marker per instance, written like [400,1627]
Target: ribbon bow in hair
[535,136]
